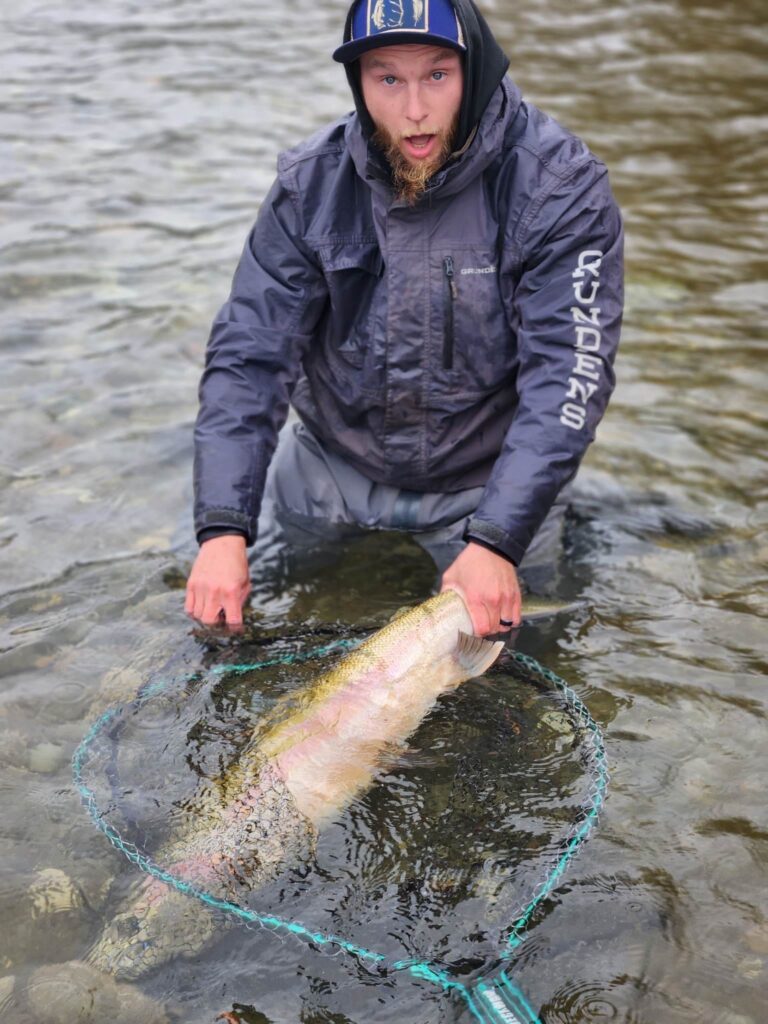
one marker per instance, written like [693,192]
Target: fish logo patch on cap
[377,22]
[385,15]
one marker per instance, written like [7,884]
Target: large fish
[302,768]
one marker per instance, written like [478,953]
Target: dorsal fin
[475,654]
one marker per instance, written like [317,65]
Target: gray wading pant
[313,496]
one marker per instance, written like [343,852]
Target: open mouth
[419,146]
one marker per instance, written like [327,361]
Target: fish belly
[338,750]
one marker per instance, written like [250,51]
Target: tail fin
[475,655]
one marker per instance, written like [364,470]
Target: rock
[751,967]
[71,994]
[52,892]
[74,993]
[117,686]
[13,748]
[46,758]
[42,913]
[559,722]
[756,938]
[7,985]
[699,780]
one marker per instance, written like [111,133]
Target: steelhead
[330,747]
[301,768]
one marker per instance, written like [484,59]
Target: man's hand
[219,582]
[488,584]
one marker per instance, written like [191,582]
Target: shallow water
[135,144]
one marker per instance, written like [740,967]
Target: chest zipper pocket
[448,330]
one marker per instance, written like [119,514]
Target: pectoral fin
[475,654]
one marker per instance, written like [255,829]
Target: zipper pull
[448,339]
[448,268]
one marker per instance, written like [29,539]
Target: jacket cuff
[225,520]
[489,536]
[218,531]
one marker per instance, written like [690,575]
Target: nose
[415,107]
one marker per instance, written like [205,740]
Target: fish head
[156,927]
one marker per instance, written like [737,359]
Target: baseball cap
[375,23]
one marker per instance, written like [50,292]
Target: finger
[481,619]
[233,609]
[489,618]
[211,610]
[199,606]
[244,592]
[193,605]
[516,607]
[510,605]
[509,617]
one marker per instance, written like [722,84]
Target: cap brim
[350,51]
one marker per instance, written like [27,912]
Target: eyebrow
[377,62]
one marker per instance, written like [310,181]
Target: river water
[135,143]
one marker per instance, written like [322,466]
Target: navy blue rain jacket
[468,340]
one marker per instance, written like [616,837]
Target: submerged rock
[47,758]
[7,985]
[13,749]
[558,722]
[74,993]
[756,938]
[53,892]
[42,914]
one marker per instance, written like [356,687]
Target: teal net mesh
[469,796]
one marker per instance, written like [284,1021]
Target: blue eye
[438,75]
[389,79]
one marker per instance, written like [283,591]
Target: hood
[485,65]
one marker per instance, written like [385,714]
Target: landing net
[493,999]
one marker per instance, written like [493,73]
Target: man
[435,284]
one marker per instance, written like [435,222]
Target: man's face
[413,94]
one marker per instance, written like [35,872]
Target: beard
[410,180]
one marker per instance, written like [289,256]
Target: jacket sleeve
[566,312]
[252,361]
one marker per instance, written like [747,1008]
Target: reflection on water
[136,144]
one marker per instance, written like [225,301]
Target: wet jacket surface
[466,341]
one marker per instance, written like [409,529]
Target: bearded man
[434,283]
